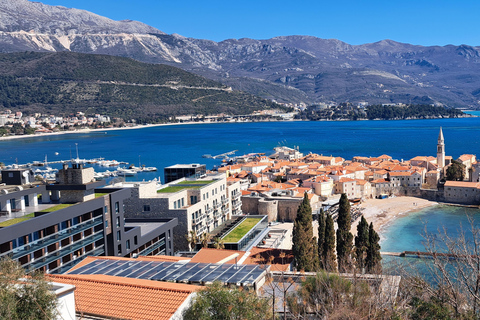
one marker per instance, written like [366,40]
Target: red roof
[125,298]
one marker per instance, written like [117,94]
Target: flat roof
[188,166]
[145,227]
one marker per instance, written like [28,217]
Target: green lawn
[197,182]
[57,207]
[16,220]
[240,230]
[98,195]
[176,188]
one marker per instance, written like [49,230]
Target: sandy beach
[383,211]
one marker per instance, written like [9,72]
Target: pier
[420,254]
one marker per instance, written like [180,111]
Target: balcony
[208,211]
[51,239]
[225,200]
[217,205]
[236,195]
[237,204]
[209,221]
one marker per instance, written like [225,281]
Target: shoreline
[143,126]
[80,131]
[383,212]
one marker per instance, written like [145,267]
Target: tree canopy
[217,302]
[456,171]
[24,297]
[344,236]
[304,246]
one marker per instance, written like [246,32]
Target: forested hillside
[66,82]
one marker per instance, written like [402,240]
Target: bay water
[163,146]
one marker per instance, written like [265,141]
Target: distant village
[269,185]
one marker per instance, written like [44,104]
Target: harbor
[104,169]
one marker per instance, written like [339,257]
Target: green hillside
[66,82]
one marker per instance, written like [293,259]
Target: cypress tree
[321,238]
[328,253]
[304,245]
[344,236]
[373,252]
[361,243]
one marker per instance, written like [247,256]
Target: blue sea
[167,145]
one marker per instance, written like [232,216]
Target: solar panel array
[245,275]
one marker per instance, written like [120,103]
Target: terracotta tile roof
[379,181]
[270,257]
[346,180]
[125,298]
[399,174]
[361,182]
[384,156]
[209,255]
[466,157]
[162,258]
[462,184]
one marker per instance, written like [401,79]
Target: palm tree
[205,239]
[192,239]
[218,243]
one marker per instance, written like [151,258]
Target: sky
[421,22]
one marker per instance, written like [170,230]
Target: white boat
[126,172]
[149,169]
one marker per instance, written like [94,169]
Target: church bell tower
[441,150]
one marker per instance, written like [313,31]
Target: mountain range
[286,69]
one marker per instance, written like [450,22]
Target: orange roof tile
[125,298]
[462,184]
[209,255]
[270,257]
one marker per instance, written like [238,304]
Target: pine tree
[321,238]
[373,252]
[328,253]
[304,247]
[344,236]
[361,243]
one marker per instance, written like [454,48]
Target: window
[127,245]
[119,248]
[174,204]
[118,222]
[183,203]
[146,207]
[106,223]
[119,236]
[135,240]
[10,174]
[105,209]
[117,207]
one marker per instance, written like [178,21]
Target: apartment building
[76,218]
[200,205]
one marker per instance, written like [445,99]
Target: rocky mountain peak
[36,17]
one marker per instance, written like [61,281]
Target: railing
[225,200]
[208,211]
[217,205]
[150,249]
[60,253]
[48,240]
